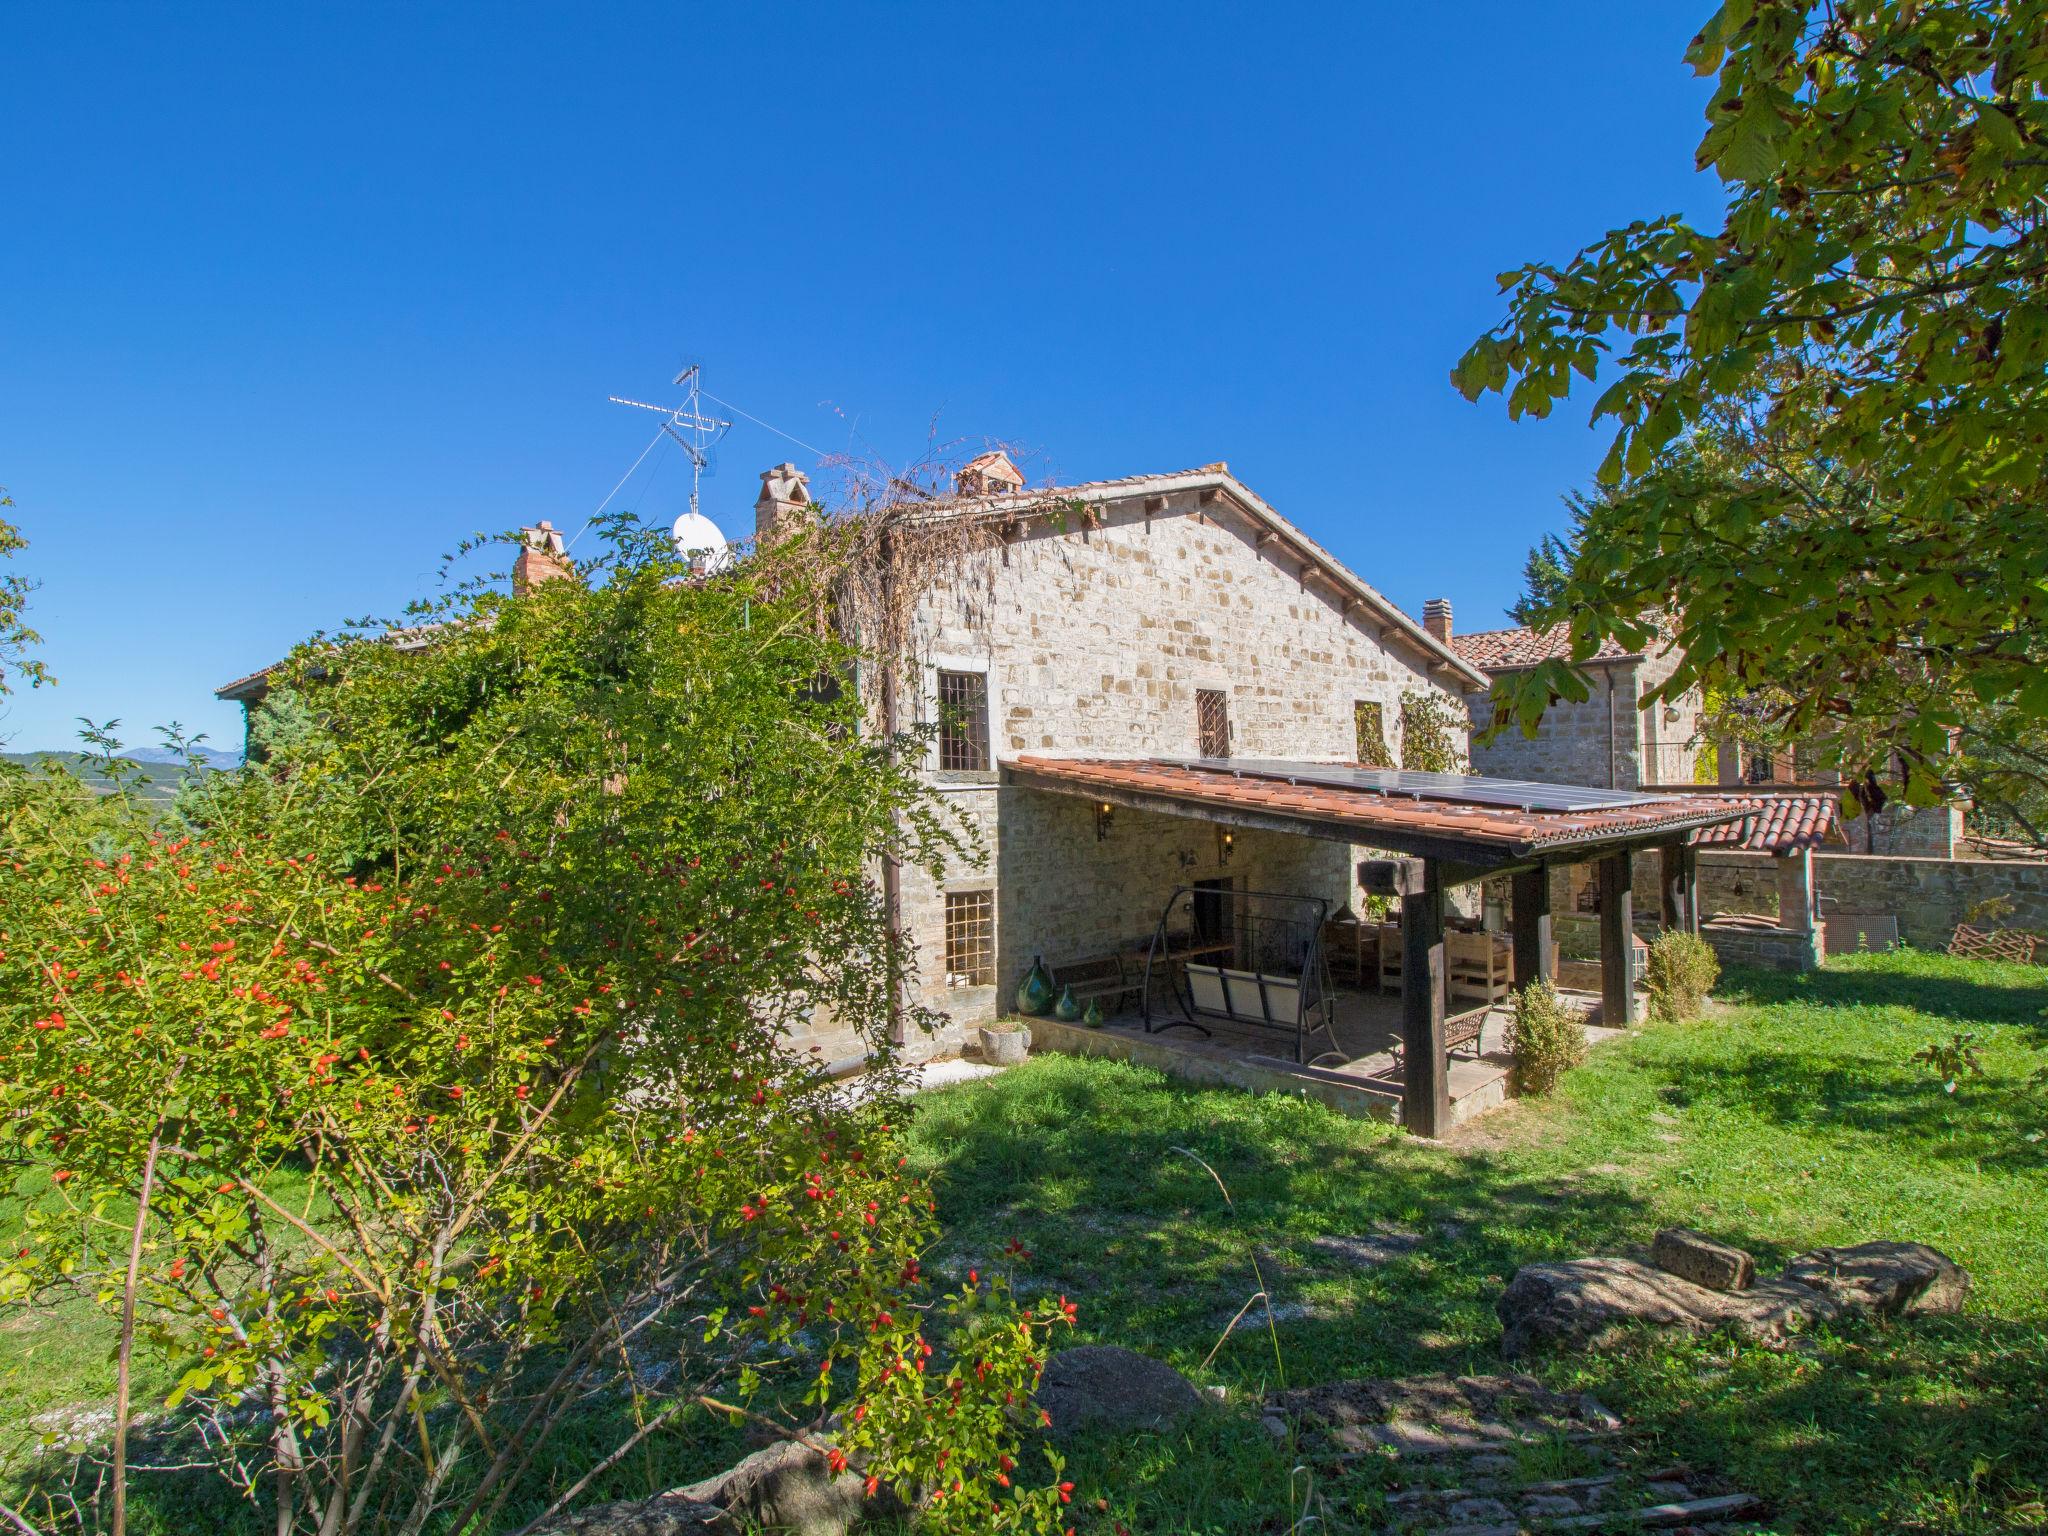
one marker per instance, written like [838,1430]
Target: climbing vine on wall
[1433,733]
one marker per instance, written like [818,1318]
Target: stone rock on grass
[786,1487]
[1891,1279]
[1103,1387]
[1588,1303]
[666,1514]
[1701,1259]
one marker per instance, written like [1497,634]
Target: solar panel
[1401,783]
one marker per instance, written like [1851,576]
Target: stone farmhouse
[1149,698]
[1174,616]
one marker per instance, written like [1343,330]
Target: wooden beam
[1425,1067]
[1419,844]
[1154,504]
[1617,936]
[1671,887]
[1530,920]
[1209,495]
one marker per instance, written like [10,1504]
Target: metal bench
[1461,1030]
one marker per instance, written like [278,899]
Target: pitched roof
[1504,650]
[1778,822]
[1217,478]
[1433,819]
[1209,477]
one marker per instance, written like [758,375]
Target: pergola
[1452,829]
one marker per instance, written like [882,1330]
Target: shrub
[1546,1038]
[440,1080]
[1681,972]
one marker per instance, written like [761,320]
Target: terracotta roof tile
[1494,650]
[1778,823]
[1371,814]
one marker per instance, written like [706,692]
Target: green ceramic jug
[1093,1016]
[1067,1009]
[1034,992]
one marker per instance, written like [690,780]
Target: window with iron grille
[963,722]
[1371,721]
[1212,722]
[970,938]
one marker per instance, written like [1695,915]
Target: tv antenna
[688,425]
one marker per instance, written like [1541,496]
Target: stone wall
[1592,742]
[1094,641]
[1929,896]
[1606,740]
[1917,831]
[1760,943]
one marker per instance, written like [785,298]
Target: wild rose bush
[447,1065]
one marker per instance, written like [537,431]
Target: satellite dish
[700,543]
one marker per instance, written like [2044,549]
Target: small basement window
[963,722]
[1212,722]
[970,938]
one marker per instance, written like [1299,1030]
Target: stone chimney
[784,505]
[989,474]
[1436,618]
[542,557]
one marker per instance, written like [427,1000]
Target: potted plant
[1005,1042]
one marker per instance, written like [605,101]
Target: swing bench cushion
[1245,997]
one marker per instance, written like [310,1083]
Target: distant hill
[207,755]
[161,771]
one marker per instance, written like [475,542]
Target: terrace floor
[1361,1078]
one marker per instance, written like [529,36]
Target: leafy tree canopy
[16,637]
[1544,574]
[1830,415]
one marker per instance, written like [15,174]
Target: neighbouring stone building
[1607,740]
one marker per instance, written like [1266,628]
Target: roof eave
[1256,506]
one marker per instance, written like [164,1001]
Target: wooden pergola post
[1617,935]
[1671,888]
[1425,1075]
[1530,922]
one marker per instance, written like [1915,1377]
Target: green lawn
[1793,1118]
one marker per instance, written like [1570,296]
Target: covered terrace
[1438,832]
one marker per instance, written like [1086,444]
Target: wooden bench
[1102,976]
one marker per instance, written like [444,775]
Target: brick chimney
[1436,618]
[784,505]
[542,557]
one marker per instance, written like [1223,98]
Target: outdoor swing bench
[1244,997]
[1290,992]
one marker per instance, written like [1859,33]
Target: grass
[1793,1117]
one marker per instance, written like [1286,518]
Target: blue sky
[292,298]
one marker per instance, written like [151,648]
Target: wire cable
[757,421]
[659,433]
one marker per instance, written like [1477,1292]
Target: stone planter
[1004,1045]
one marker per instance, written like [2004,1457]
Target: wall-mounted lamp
[1105,818]
[1226,844]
